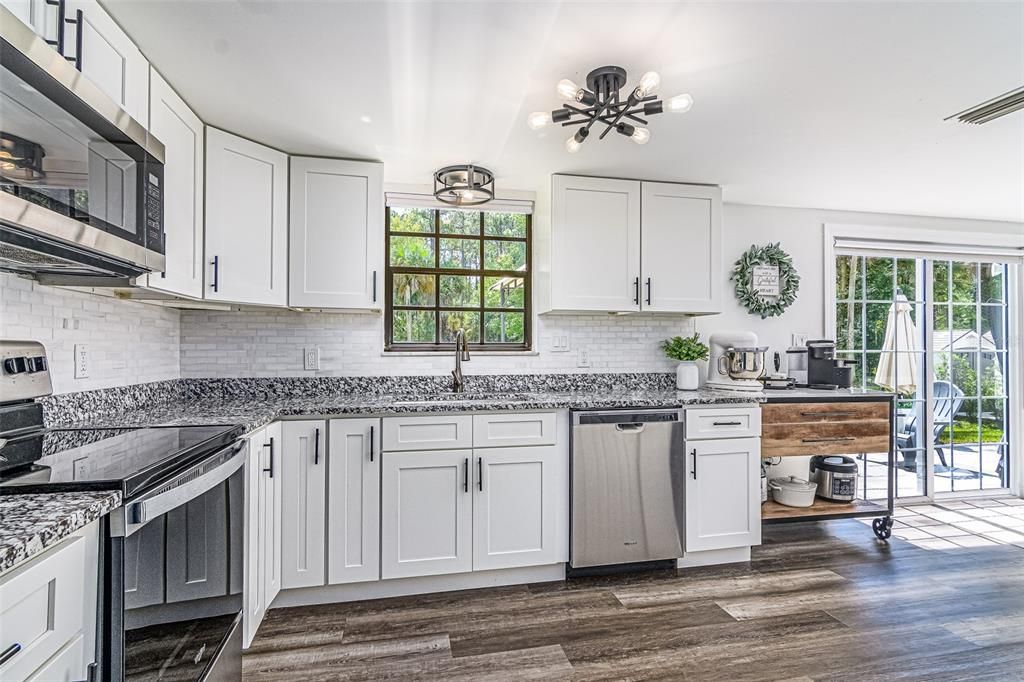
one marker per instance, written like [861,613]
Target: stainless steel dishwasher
[627,487]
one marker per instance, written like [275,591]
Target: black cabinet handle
[316,446]
[371,443]
[9,653]
[216,268]
[694,453]
[374,286]
[61,15]
[636,291]
[465,475]
[270,445]
[79,22]
[727,423]
[648,291]
[480,473]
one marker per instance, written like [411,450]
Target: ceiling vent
[992,109]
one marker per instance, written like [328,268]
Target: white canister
[687,376]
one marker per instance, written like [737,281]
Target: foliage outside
[685,348]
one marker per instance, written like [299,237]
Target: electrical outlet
[799,340]
[583,358]
[81,361]
[311,358]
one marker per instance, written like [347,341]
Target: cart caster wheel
[882,527]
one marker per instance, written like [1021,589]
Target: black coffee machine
[823,369]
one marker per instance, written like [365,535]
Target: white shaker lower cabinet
[303,503]
[181,131]
[262,526]
[246,221]
[353,501]
[426,519]
[723,493]
[336,234]
[272,489]
[514,507]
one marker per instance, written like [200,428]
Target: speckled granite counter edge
[30,524]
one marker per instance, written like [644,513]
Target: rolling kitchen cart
[807,422]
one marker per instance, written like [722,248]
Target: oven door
[176,576]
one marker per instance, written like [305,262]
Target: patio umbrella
[898,371]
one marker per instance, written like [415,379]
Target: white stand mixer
[736,361]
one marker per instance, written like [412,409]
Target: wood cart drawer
[804,413]
[741,421]
[824,438]
[434,432]
[514,429]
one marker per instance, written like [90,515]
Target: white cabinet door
[353,501]
[426,513]
[181,131]
[35,14]
[681,251]
[723,493]
[246,221]
[255,539]
[595,244]
[108,57]
[336,230]
[271,511]
[303,511]
[514,507]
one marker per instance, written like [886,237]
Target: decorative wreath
[789,280]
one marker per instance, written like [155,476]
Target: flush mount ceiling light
[992,109]
[21,160]
[464,185]
[602,104]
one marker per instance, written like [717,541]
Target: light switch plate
[81,361]
[311,358]
[560,344]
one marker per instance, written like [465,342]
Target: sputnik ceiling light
[602,104]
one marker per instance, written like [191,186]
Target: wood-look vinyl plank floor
[817,601]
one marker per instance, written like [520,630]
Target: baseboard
[714,556]
[400,587]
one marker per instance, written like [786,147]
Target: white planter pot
[687,376]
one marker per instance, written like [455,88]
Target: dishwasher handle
[630,427]
[632,420]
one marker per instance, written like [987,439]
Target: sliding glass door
[934,332]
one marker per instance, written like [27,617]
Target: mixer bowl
[743,363]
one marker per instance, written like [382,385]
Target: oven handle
[186,487]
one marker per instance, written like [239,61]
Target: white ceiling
[828,105]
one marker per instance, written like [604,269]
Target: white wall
[234,344]
[128,342]
[801,233]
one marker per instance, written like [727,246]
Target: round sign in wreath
[766,281]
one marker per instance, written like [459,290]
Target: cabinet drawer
[513,430]
[742,421]
[66,666]
[814,413]
[41,607]
[433,432]
[825,438]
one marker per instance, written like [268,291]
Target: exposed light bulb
[649,82]
[538,119]
[679,104]
[567,89]
[467,195]
[641,135]
[572,145]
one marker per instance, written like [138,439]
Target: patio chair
[947,400]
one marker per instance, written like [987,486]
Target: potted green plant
[687,350]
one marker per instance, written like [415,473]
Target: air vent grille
[992,109]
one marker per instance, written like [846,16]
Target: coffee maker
[824,370]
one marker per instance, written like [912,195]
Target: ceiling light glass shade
[572,145]
[641,135]
[679,104]
[649,82]
[567,89]
[538,119]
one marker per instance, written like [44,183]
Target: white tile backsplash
[261,344]
[128,342]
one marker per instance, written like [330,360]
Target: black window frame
[437,271]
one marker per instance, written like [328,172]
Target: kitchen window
[450,269]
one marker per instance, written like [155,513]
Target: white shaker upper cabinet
[681,250]
[595,244]
[181,131]
[34,14]
[336,234]
[108,57]
[246,221]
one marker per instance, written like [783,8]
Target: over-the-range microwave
[81,182]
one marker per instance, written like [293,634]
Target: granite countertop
[30,524]
[253,413]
